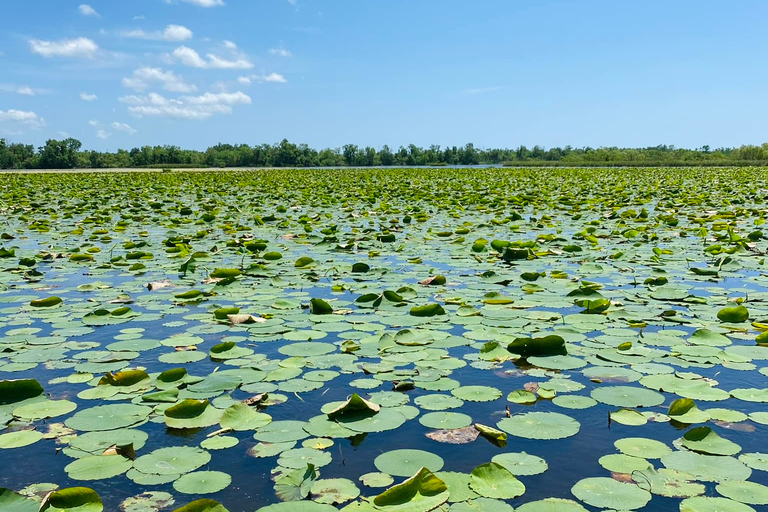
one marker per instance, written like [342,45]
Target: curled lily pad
[72,499]
[551,345]
[734,315]
[192,413]
[202,505]
[705,440]
[421,492]
[14,391]
[13,502]
[354,405]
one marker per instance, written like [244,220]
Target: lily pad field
[384,340]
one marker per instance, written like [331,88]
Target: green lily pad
[609,493]
[540,425]
[493,480]
[407,462]
[202,482]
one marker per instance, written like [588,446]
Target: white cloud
[191,58]
[272,77]
[184,107]
[205,3]
[24,90]
[23,117]
[88,97]
[143,78]
[229,45]
[292,2]
[78,47]
[139,17]
[175,33]
[280,52]
[93,122]
[102,134]
[87,10]
[122,127]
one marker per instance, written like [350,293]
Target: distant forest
[68,154]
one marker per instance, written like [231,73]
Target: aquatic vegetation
[384,340]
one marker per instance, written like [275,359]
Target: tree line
[68,154]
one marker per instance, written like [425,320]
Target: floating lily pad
[540,425]
[202,482]
[407,462]
[609,493]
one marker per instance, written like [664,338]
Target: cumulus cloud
[78,47]
[229,45]
[23,117]
[191,58]
[272,77]
[93,122]
[87,10]
[88,97]
[175,33]
[143,78]
[122,127]
[24,90]
[103,134]
[280,52]
[184,107]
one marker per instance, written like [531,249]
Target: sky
[497,73]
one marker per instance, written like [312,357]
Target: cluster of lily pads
[275,315]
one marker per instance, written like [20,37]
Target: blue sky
[498,73]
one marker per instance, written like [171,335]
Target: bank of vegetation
[69,153]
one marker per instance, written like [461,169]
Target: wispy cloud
[78,47]
[185,107]
[201,3]
[22,117]
[87,10]
[122,127]
[280,52]
[88,97]
[481,90]
[191,58]
[143,78]
[103,134]
[272,77]
[24,90]
[174,33]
